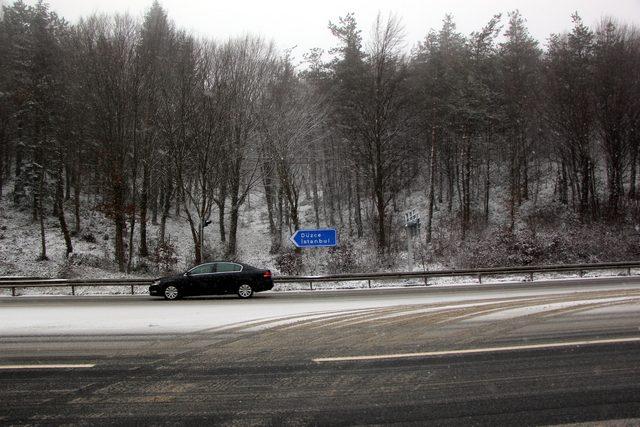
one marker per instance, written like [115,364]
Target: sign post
[324,238]
[412,225]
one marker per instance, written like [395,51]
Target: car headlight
[156,283]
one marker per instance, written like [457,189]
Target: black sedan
[214,278]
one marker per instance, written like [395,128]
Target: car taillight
[266,274]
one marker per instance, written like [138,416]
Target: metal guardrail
[15,283]
[479,273]
[19,278]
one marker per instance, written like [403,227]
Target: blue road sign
[315,238]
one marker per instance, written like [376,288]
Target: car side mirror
[187,273]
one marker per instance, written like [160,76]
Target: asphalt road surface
[521,354]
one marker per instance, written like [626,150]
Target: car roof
[245,266]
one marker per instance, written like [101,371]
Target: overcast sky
[303,23]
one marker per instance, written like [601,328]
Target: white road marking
[76,366]
[475,350]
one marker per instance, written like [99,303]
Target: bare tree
[615,89]
[381,151]
[290,127]
[248,64]
[109,67]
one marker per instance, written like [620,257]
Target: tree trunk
[77,182]
[4,157]
[633,171]
[221,202]
[316,199]
[359,225]
[60,211]
[144,197]
[154,205]
[118,219]
[440,185]
[291,193]
[466,186]
[450,185]
[564,185]
[166,207]
[380,220]
[3,144]
[268,194]
[525,176]
[43,241]
[132,219]
[430,197]
[584,189]
[487,187]
[68,176]
[513,185]
[235,199]
[233,231]
[594,196]
[276,242]
[18,184]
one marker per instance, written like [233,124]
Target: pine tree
[520,73]
[570,111]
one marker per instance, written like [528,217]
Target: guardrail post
[629,271]
[73,290]
[13,292]
[369,282]
[581,273]
[531,277]
[426,280]
[132,291]
[310,286]
[480,279]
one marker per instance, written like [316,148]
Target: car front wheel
[171,293]
[245,291]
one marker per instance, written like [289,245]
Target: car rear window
[225,267]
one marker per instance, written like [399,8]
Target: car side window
[227,267]
[203,269]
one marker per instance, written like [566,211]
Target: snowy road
[512,354]
[146,315]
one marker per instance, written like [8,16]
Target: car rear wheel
[245,291]
[171,293]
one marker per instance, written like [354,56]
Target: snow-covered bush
[342,259]
[90,260]
[65,270]
[576,244]
[164,256]
[289,263]
[552,214]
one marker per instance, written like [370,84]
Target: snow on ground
[93,255]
